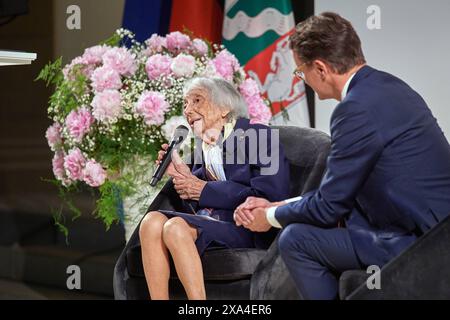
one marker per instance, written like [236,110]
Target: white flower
[209,71]
[183,65]
[169,127]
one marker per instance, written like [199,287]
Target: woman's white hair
[221,94]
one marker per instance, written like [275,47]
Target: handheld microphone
[178,137]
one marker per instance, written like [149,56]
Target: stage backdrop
[412,43]
[256,31]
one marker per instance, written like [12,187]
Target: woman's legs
[179,238]
[155,257]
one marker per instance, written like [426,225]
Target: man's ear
[321,68]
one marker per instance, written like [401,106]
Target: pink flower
[120,60]
[152,106]
[249,88]
[53,135]
[258,111]
[156,43]
[93,55]
[263,117]
[107,105]
[226,64]
[177,42]
[93,174]
[58,168]
[200,47]
[183,65]
[106,78]
[82,65]
[77,60]
[79,122]
[158,65]
[74,163]
[68,68]
[88,71]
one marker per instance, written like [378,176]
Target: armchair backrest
[307,150]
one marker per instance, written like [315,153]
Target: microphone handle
[165,161]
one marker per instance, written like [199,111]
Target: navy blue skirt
[212,233]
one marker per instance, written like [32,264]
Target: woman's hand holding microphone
[186,184]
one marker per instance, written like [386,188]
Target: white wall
[413,44]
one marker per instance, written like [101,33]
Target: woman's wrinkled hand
[170,168]
[186,184]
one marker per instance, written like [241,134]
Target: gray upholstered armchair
[235,273]
[420,272]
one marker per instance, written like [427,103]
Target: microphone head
[180,134]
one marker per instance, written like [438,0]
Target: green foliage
[67,94]
[112,41]
[115,154]
[65,98]
[51,73]
[67,205]
[108,203]
[59,220]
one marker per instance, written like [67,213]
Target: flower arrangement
[116,103]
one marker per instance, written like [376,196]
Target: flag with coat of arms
[257,33]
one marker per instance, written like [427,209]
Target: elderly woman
[212,190]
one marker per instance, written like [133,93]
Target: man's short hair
[328,37]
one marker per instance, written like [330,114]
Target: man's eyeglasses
[298,73]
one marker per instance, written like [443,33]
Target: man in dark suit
[388,172]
